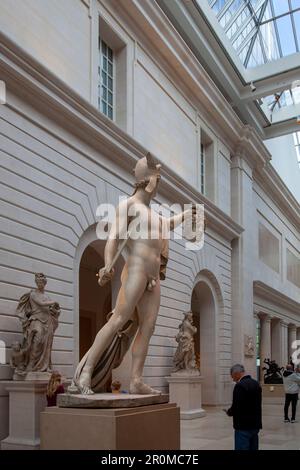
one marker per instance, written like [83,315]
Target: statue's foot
[86,390]
[140,388]
[84,382]
[73,388]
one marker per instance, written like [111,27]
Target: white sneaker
[294,421]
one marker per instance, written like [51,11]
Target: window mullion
[106,80]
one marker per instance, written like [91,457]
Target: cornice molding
[57,100]
[264,291]
[251,147]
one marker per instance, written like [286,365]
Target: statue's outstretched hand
[105,275]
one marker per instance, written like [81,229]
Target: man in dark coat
[245,409]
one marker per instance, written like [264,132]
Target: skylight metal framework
[260,31]
[251,49]
[282,105]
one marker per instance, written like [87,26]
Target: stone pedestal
[32,376]
[109,400]
[185,390]
[26,401]
[150,427]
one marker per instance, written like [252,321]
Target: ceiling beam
[281,128]
[273,69]
[271,85]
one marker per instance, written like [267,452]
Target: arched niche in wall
[92,303]
[206,303]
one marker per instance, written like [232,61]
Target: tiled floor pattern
[215,432]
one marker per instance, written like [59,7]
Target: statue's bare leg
[133,286]
[147,308]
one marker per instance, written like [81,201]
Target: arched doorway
[94,303]
[204,308]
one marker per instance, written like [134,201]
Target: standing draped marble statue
[184,358]
[138,299]
[39,318]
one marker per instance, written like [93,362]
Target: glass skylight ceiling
[263,31]
[260,31]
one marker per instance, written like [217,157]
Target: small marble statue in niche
[249,347]
[184,358]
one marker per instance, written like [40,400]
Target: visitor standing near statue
[291,383]
[138,300]
[246,409]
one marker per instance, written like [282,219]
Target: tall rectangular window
[106,101]
[202,169]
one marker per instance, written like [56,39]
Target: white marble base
[32,376]
[19,444]
[192,414]
[26,401]
[109,400]
[185,390]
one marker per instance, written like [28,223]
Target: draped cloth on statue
[114,354]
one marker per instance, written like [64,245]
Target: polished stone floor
[215,432]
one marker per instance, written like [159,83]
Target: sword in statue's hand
[106,273]
[194,224]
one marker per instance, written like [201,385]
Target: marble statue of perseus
[138,299]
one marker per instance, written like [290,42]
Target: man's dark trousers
[290,398]
[246,440]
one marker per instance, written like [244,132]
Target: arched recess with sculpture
[91,303]
[207,305]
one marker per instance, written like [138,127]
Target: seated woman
[54,388]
